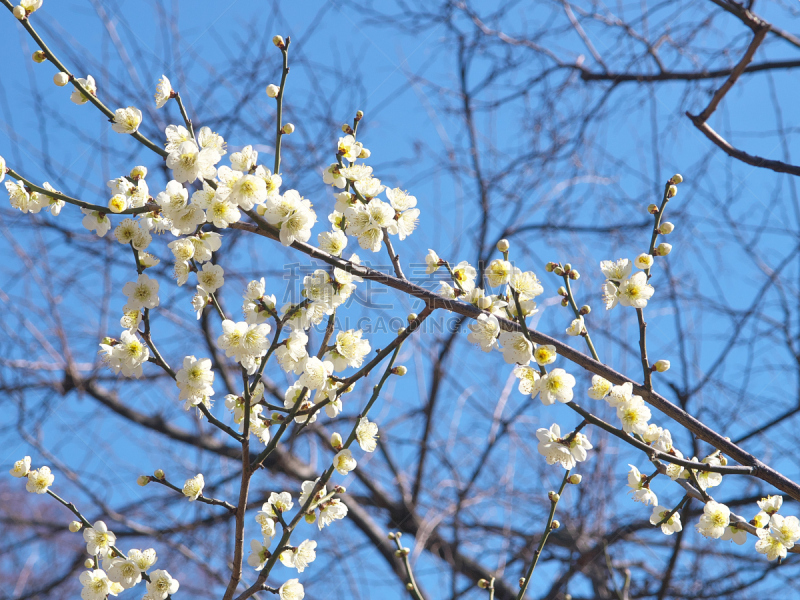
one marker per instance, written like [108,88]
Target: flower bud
[585,309]
[409,586]
[554,497]
[663,249]
[346,128]
[503,245]
[666,228]
[61,79]
[340,489]
[723,460]
[39,56]
[19,12]
[88,563]
[672,191]
[117,203]
[484,302]
[359,115]
[521,581]
[138,173]
[661,366]
[288,129]
[401,331]
[391,535]
[652,209]
[159,474]
[483,584]
[142,480]
[336,441]
[567,267]
[75,526]
[273,90]
[575,479]
[549,267]
[278,41]
[556,524]
[365,153]
[564,302]
[677,178]
[400,371]
[402,552]
[310,517]
[574,274]
[412,317]
[562,291]
[558,270]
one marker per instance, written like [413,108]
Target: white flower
[600,388]
[248,191]
[644,261]
[432,261]
[195,380]
[552,449]
[734,534]
[124,572]
[300,557]
[161,585]
[2,168]
[277,504]
[366,434]
[635,291]
[267,525]
[331,176]
[528,378]
[634,415]
[349,350]
[315,373]
[484,332]
[189,163]
[640,489]
[144,559]
[292,590]
[499,272]
[331,511]
[577,327]
[142,293]
[163,91]
[610,295]
[293,214]
[211,278]
[716,517]
[344,462]
[96,585]
[785,529]
[525,284]
[545,355]
[244,342]
[39,480]
[78,96]
[769,545]
[555,385]
[707,479]
[292,355]
[93,220]
[193,488]
[367,222]
[98,539]
[620,394]
[464,275]
[21,467]
[332,242]
[259,555]
[670,526]
[770,504]
[127,120]
[516,347]
[244,160]
[616,271]
[290,399]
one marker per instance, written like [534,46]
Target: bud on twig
[20,12]
[278,41]
[484,302]
[561,291]
[663,249]
[652,209]
[556,524]
[554,497]
[585,309]
[39,56]
[88,563]
[575,479]
[666,228]
[672,191]
[483,584]
[61,79]
[75,526]
[336,441]
[677,178]
[273,90]
[412,317]
[661,366]
[143,480]
[288,129]
[159,474]
[359,115]
[400,371]
[574,274]
[503,245]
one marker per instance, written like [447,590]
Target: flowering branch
[403,553]
[201,498]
